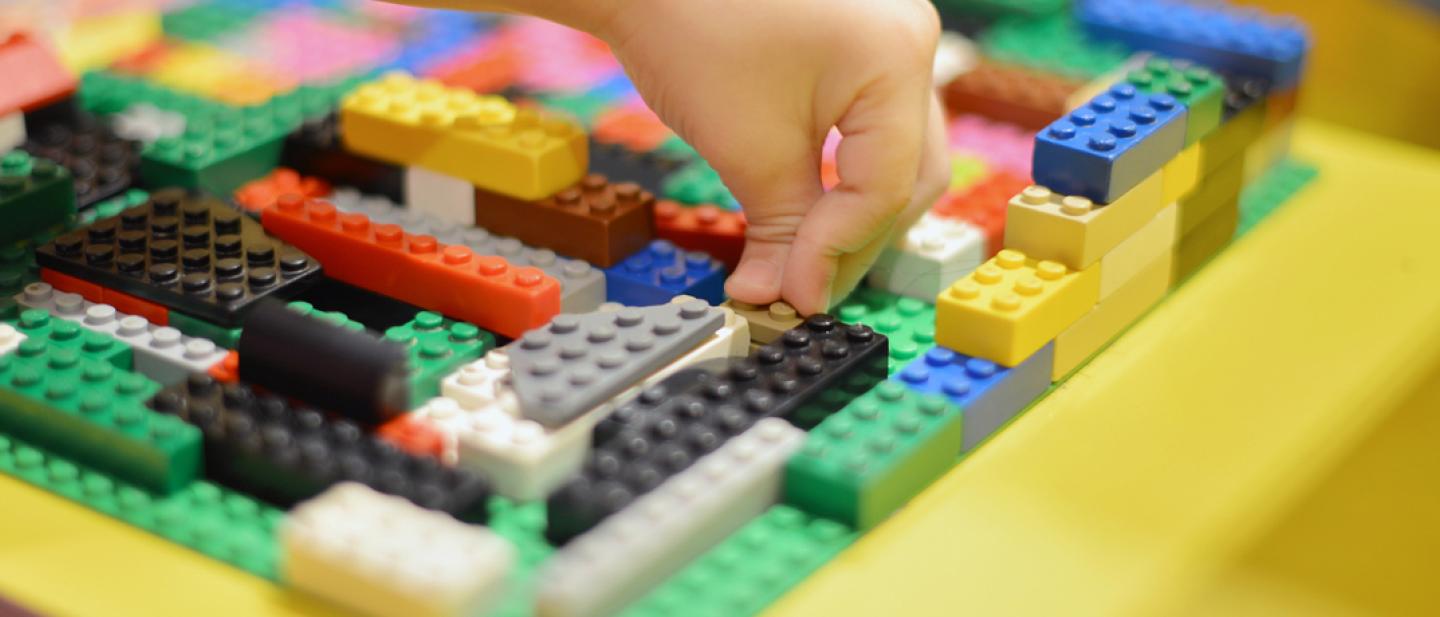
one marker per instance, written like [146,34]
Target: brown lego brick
[594,221]
[766,323]
[1009,94]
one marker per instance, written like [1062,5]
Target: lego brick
[191,254]
[706,228]
[1245,105]
[633,126]
[907,323]
[261,445]
[1201,91]
[59,333]
[449,279]
[483,139]
[1156,238]
[806,375]
[582,286]
[207,21]
[1181,175]
[647,169]
[35,77]
[12,130]
[482,382]
[337,369]
[660,272]
[314,149]
[223,525]
[221,153]
[101,163]
[105,93]
[1007,93]
[579,361]
[445,197]
[161,353]
[1226,38]
[1075,231]
[983,205]
[122,302]
[227,338]
[1053,44]
[697,183]
[1272,190]
[989,394]
[381,555]
[928,257]
[146,123]
[965,171]
[1011,306]
[35,195]
[767,323]
[1110,145]
[751,568]
[630,553]
[594,220]
[1272,147]
[254,195]
[863,463]
[1003,8]
[1194,249]
[227,370]
[1217,190]
[1112,316]
[525,460]
[87,409]
[413,434]
[436,347]
[377,312]
[955,54]
[113,206]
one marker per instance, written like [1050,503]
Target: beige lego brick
[1071,229]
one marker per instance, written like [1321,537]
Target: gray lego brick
[1023,384]
[162,353]
[582,286]
[580,361]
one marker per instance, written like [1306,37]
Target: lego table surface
[1205,459]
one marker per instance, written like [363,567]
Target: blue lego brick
[988,394]
[439,36]
[1110,145]
[663,271]
[1227,39]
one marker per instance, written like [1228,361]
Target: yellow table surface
[1260,443]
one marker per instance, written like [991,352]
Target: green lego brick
[437,348]
[17,269]
[1271,190]
[87,409]
[697,183]
[752,568]
[104,93]
[523,525]
[334,317]
[584,107]
[1200,89]
[907,322]
[227,526]
[1002,8]
[219,153]
[1052,44]
[864,462]
[39,325]
[35,195]
[113,206]
[207,21]
[228,338]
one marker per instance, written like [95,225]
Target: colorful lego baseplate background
[159,408]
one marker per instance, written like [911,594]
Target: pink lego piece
[1003,146]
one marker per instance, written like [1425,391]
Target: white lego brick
[524,460]
[162,353]
[10,338]
[481,382]
[445,197]
[382,555]
[12,131]
[634,550]
[146,123]
[955,55]
[929,257]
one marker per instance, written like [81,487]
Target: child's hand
[756,86]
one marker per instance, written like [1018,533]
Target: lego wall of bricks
[484,363]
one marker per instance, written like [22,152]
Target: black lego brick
[102,163]
[314,149]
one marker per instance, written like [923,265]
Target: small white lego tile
[524,460]
[146,123]
[445,197]
[481,382]
[639,547]
[10,338]
[12,131]
[929,257]
[382,555]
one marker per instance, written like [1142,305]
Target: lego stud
[988,274]
[1050,270]
[1076,205]
[1035,195]
[1008,301]
[1029,286]
[781,310]
[965,289]
[1010,259]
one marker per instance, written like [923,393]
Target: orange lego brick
[1010,94]
[413,435]
[450,279]
[983,204]
[227,370]
[638,129]
[721,233]
[256,194]
[75,285]
[594,221]
[123,302]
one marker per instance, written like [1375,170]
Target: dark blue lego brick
[1227,39]
[663,271]
[988,394]
[1110,145]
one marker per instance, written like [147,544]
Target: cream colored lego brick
[931,255]
[12,131]
[1182,174]
[445,197]
[1074,231]
[1156,238]
[1112,315]
[767,323]
[524,460]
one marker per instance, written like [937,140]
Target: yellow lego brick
[1203,242]
[1230,140]
[1216,190]
[1112,315]
[1074,231]
[1137,252]
[1182,174]
[1011,306]
[483,139]
[91,43]
[217,74]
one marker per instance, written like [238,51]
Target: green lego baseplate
[1053,44]
[437,347]
[523,525]
[1271,190]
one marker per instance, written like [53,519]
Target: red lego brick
[721,233]
[1009,94]
[145,61]
[257,194]
[488,68]
[983,204]
[413,435]
[227,370]
[33,74]
[450,279]
[123,302]
[635,127]
[594,221]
